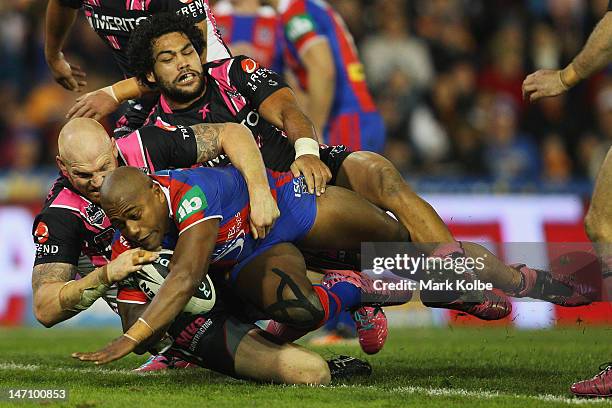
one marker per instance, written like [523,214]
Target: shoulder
[62,207]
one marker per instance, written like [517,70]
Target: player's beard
[178,95]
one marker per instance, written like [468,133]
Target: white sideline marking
[458,392]
[434,392]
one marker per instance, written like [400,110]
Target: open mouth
[187,78]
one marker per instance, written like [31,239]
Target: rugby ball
[152,276]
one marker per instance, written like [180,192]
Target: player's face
[87,178]
[177,69]
[143,221]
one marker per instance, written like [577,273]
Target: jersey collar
[166,191]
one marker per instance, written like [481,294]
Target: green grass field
[488,367]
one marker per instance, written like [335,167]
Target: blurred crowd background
[446,75]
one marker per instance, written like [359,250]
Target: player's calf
[260,357]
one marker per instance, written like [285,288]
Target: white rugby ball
[152,276]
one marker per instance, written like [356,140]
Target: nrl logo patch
[94,214]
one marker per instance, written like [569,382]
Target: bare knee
[299,366]
[389,181]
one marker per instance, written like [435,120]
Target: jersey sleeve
[194,200]
[75,4]
[196,10]
[299,26]
[56,234]
[253,81]
[120,245]
[159,147]
[128,291]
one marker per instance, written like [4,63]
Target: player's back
[258,35]
[204,193]
[304,21]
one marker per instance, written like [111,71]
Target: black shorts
[333,157]
[209,340]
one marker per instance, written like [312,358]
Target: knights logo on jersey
[236,244]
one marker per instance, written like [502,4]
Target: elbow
[237,130]
[43,318]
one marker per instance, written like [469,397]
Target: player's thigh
[602,194]
[345,219]
[259,357]
[373,177]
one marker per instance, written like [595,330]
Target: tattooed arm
[47,280]
[237,142]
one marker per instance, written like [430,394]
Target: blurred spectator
[394,49]
[556,163]
[504,74]
[510,155]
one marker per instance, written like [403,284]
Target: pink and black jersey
[354,120]
[68,225]
[158,147]
[235,87]
[114,20]
[261,33]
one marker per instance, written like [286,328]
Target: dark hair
[140,48]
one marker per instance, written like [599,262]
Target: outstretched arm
[57,297]
[595,55]
[282,110]
[102,102]
[59,21]
[188,267]
[47,281]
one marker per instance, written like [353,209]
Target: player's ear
[115,151]
[151,78]
[61,165]
[158,193]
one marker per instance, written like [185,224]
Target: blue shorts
[298,211]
